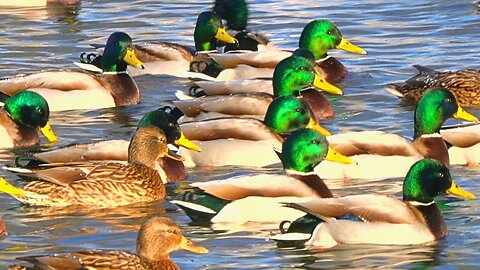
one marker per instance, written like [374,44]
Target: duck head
[208,30]
[119,53]
[319,36]
[30,109]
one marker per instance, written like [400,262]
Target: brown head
[147,145]
[159,236]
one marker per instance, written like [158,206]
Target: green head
[30,109]
[429,178]
[287,114]
[119,53]
[235,12]
[319,36]
[434,107]
[169,125]
[208,30]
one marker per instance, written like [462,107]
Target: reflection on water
[439,34]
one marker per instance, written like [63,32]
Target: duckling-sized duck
[108,185]
[243,141]
[318,36]
[70,90]
[232,200]
[464,85]
[157,237]
[21,116]
[388,221]
[88,156]
[395,153]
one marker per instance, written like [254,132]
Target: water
[440,34]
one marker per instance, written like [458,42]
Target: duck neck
[313,181]
[432,217]
[164,263]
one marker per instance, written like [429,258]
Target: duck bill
[460,192]
[464,115]
[183,141]
[349,47]
[334,156]
[174,156]
[131,59]
[222,35]
[188,245]
[47,131]
[312,124]
[322,84]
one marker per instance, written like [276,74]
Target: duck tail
[91,58]
[306,210]
[298,232]
[196,212]
[10,189]
[423,80]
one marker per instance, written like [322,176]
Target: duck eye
[449,100]
[40,111]
[171,125]
[314,141]
[169,231]
[440,175]
[330,32]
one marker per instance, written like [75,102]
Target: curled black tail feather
[91,58]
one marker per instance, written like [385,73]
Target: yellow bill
[333,155]
[320,83]
[10,189]
[47,131]
[183,141]
[349,47]
[460,192]
[188,245]
[131,59]
[464,115]
[312,124]
[222,35]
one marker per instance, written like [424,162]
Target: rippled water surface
[397,34]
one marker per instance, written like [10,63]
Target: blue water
[440,34]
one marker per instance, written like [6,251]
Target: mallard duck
[69,90]
[463,143]
[318,36]
[291,77]
[243,141]
[464,85]
[395,153]
[22,114]
[74,156]
[231,200]
[157,237]
[107,185]
[387,221]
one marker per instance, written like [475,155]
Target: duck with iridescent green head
[256,197]
[74,90]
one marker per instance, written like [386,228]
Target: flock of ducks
[252,104]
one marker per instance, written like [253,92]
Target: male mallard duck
[82,154]
[243,141]
[232,200]
[107,185]
[464,85]
[157,237]
[318,36]
[69,90]
[22,114]
[387,221]
[463,143]
[395,153]
[291,77]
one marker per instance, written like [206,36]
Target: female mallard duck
[387,221]
[291,77]
[70,90]
[318,36]
[107,185]
[232,200]
[222,139]
[22,114]
[464,85]
[395,153]
[157,237]
[73,156]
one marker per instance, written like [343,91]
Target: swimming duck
[73,156]
[387,221]
[107,185]
[243,141]
[464,85]
[70,90]
[157,237]
[395,153]
[318,36]
[22,114]
[232,200]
